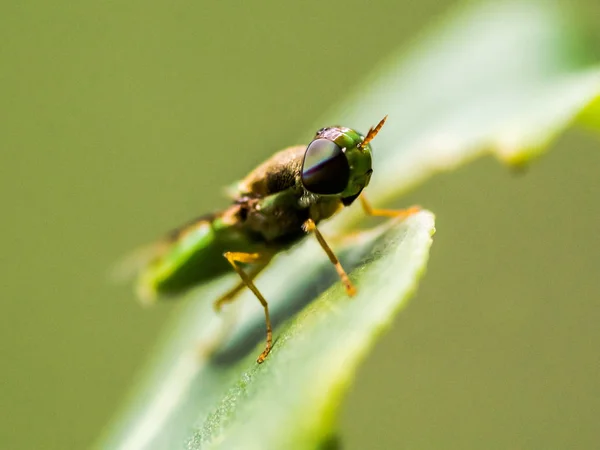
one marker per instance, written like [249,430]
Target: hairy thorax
[272,205]
[279,220]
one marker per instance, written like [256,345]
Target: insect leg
[238,257]
[230,295]
[310,226]
[370,211]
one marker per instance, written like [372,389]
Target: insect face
[325,169]
[338,162]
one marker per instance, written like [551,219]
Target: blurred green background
[121,119]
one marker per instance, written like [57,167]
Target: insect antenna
[372,133]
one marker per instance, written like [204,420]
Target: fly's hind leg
[311,227]
[234,259]
[370,211]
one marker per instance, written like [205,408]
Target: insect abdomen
[194,257]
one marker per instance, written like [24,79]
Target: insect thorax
[279,218]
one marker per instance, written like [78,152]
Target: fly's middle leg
[231,295]
[234,259]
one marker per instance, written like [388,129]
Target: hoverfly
[275,206]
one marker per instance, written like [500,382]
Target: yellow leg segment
[230,295]
[237,257]
[311,227]
[370,211]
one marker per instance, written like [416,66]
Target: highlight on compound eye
[325,168]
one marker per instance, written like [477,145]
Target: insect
[274,207]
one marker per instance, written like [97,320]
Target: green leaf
[290,401]
[229,396]
[501,78]
[504,78]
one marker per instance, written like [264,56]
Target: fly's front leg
[248,258]
[311,227]
[370,211]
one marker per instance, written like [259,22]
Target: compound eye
[325,169]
